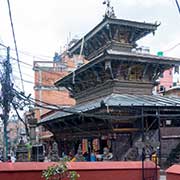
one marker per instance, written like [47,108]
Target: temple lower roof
[115,100]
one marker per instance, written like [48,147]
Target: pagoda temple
[115,107]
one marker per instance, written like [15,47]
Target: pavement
[162,177]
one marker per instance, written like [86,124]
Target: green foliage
[59,172]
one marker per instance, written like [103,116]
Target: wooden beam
[96,73]
[131,38]
[101,38]
[88,46]
[110,32]
[69,89]
[155,71]
[93,133]
[106,37]
[129,70]
[145,70]
[116,34]
[97,41]
[114,121]
[121,130]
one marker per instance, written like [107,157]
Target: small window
[168,122]
[161,89]
[176,69]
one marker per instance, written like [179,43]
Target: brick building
[165,80]
[46,73]
[168,80]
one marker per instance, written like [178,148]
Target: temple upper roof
[112,33]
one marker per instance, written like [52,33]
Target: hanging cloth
[84,145]
[96,145]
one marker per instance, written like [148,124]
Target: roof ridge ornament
[109,9]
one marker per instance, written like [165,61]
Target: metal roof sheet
[124,100]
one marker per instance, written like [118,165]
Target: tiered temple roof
[117,34]
[115,84]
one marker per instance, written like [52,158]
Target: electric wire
[19,117]
[26,53]
[55,107]
[172,48]
[178,6]
[15,43]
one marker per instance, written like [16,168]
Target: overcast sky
[44,26]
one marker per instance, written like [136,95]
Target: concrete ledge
[87,170]
[173,173]
[110,165]
[25,166]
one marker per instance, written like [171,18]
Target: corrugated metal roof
[145,56]
[124,100]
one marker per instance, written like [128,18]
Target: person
[154,157]
[69,156]
[79,156]
[107,156]
[92,157]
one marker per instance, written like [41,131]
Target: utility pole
[6,88]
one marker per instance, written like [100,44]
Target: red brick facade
[45,90]
[46,73]
[166,80]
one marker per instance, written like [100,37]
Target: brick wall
[86,170]
[173,173]
[46,73]
[45,89]
[170,138]
[167,80]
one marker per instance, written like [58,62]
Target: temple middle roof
[130,57]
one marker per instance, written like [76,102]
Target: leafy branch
[59,172]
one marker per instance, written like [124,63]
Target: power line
[15,43]
[26,53]
[25,74]
[178,6]
[172,48]
[24,123]
[30,54]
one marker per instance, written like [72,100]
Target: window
[176,69]
[161,89]
[161,75]
[168,122]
